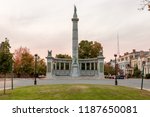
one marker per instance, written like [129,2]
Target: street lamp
[143,64]
[116,83]
[35,67]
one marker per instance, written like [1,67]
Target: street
[136,83]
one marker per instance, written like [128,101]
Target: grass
[75,92]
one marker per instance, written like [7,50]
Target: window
[82,66]
[88,66]
[67,66]
[62,66]
[95,66]
[57,66]
[54,66]
[92,66]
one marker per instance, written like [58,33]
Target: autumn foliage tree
[23,62]
[109,70]
[41,67]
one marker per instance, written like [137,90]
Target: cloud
[46,24]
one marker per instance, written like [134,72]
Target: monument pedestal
[75,70]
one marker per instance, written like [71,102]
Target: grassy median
[75,92]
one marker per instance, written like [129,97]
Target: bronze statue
[50,53]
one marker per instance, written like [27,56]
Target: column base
[75,70]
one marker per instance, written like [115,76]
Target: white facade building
[129,61]
[147,65]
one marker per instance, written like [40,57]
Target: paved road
[122,82]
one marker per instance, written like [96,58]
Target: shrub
[129,76]
[147,76]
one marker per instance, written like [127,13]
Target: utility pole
[118,45]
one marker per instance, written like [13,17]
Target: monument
[75,67]
[75,63]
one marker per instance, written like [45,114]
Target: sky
[43,25]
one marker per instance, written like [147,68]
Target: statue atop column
[101,52]
[75,9]
[50,53]
[75,12]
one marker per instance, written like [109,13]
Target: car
[120,77]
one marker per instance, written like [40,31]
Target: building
[129,61]
[147,64]
[75,67]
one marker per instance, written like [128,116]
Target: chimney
[149,7]
[134,50]
[141,53]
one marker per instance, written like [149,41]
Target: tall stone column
[75,63]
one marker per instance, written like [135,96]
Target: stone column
[90,65]
[59,65]
[69,65]
[55,66]
[80,66]
[75,63]
[85,66]
[64,66]
[94,65]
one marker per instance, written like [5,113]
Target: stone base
[101,76]
[75,70]
[75,73]
[75,78]
[48,75]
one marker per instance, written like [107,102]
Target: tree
[147,76]
[5,57]
[27,64]
[109,69]
[137,72]
[23,62]
[89,49]
[63,56]
[41,66]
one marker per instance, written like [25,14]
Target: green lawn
[75,92]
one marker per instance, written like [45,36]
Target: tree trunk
[5,84]
[12,81]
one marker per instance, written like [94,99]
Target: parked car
[120,77]
[110,76]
